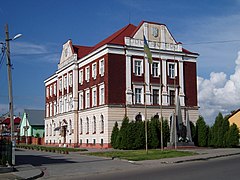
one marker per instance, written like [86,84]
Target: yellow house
[235,118]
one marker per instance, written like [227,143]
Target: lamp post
[9,65]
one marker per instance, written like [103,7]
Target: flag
[147,50]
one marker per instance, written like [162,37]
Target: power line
[3,54]
[213,42]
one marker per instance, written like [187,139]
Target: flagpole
[175,117]
[145,98]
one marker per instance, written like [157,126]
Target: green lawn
[140,155]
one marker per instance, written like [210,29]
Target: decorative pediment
[67,52]
[154,32]
[157,35]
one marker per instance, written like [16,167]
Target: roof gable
[35,117]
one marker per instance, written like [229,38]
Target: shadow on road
[39,160]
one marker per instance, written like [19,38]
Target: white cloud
[36,52]
[219,94]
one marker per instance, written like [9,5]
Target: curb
[200,159]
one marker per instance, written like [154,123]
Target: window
[87,99]
[102,124]
[55,89]
[47,106]
[70,80]
[50,109]
[172,70]
[46,130]
[54,126]
[60,84]
[65,82]
[87,75]
[65,104]
[50,90]
[70,127]
[94,97]
[155,69]
[101,67]
[47,91]
[87,128]
[50,130]
[94,125]
[101,95]
[80,77]
[172,97]
[70,103]
[55,108]
[94,70]
[155,96]
[138,95]
[81,126]
[138,67]
[80,100]
[60,105]
[138,117]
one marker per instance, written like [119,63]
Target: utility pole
[9,65]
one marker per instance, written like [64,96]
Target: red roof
[116,38]
[17,120]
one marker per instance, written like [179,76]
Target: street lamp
[10,89]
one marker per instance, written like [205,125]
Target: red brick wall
[190,79]
[116,79]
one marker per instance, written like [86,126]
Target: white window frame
[87,74]
[65,82]
[94,70]
[70,79]
[154,72]
[101,94]
[47,110]
[70,103]
[80,77]
[55,89]
[81,126]
[170,73]
[81,98]
[159,95]
[101,67]
[136,71]
[50,90]
[47,91]
[50,109]
[141,94]
[87,98]
[94,96]
[60,84]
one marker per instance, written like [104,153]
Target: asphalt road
[75,166]
[226,168]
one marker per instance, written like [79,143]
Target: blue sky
[47,25]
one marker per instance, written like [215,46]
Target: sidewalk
[30,172]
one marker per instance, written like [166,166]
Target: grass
[140,155]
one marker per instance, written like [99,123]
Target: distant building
[235,118]
[32,124]
[96,86]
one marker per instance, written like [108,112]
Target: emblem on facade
[155,31]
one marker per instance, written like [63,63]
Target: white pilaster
[181,84]
[128,80]
[75,87]
[164,82]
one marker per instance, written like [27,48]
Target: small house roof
[35,117]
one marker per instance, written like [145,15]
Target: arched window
[54,126]
[46,130]
[138,117]
[70,126]
[156,116]
[102,124]
[81,126]
[50,130]
[87,128]
[94,125]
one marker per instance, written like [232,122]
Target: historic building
[96,86]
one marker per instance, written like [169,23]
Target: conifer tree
[232,136]
[115,133]
[201,132]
